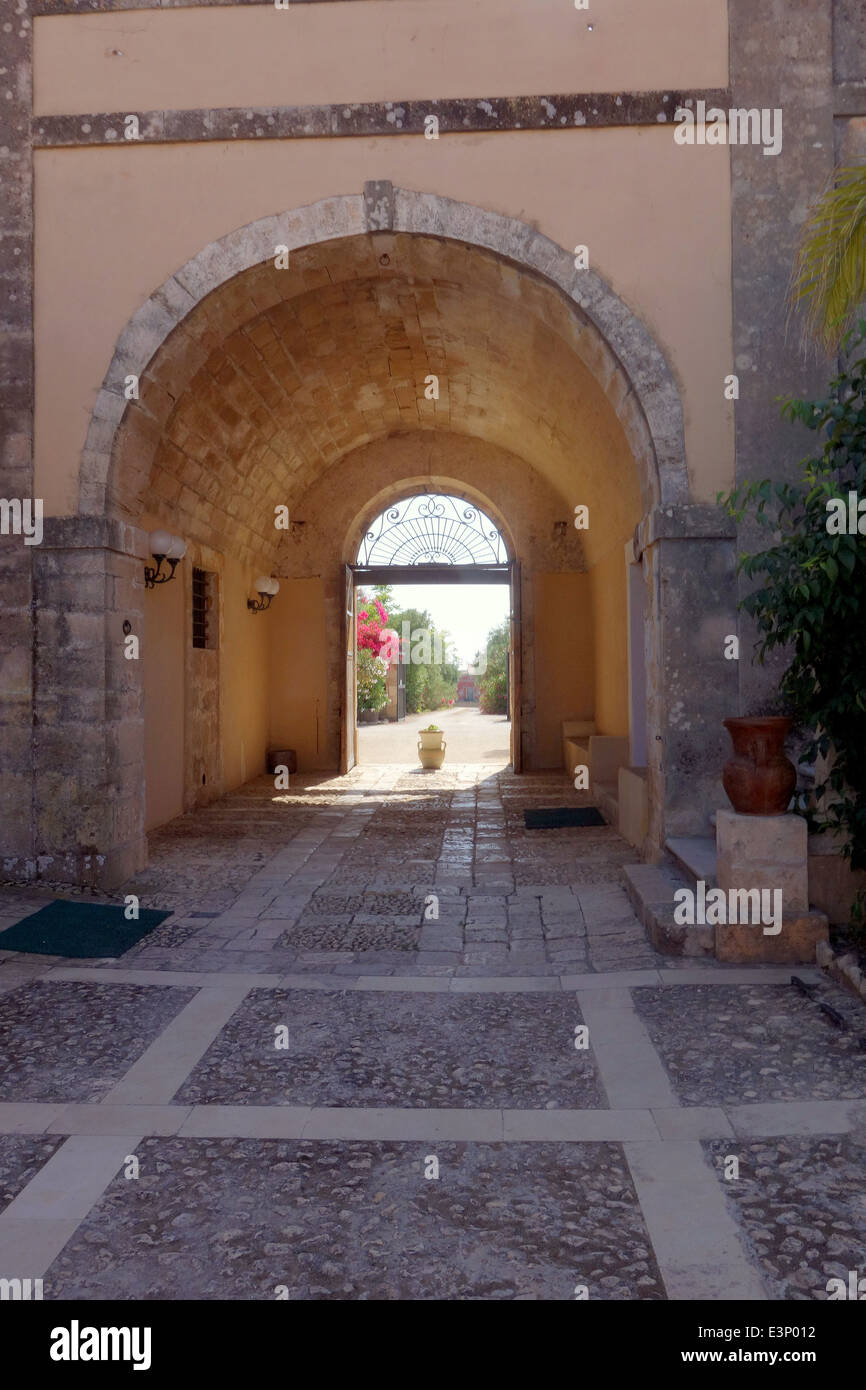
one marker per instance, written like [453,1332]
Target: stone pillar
[767,854]
[88,747]
[689,562]
[16,438]
[781,56]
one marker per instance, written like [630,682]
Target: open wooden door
[348,722]
[515,668]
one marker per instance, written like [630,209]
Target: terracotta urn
[759,779]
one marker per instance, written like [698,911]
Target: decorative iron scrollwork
[433,529]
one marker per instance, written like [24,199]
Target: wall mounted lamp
[163,546]
[266,588]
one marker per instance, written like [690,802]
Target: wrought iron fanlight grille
[433,529]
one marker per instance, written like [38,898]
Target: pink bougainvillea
[372,620]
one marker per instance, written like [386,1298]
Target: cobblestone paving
[430,957]
[72,1041]
[751,1043]
[21,1157]
[803,1205]
[238,1218]
[391,871]
[411,1050]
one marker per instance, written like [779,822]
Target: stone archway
[620,350]
[673,543]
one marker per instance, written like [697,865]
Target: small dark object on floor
[834,1015]
[559,817]
[808,990]
[80,930]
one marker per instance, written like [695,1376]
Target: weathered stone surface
[796,942]
[800,1203]
[764,852]
[73,1041]
[729,1044]
[482,1231]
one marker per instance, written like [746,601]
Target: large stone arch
[91,564]
[624,357]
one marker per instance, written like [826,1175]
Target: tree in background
[429,683]
[494,682]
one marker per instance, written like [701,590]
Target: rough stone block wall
[16,430]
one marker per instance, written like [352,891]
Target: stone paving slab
[237,1218]
[74,1041]
[21,1157]
[361,1048]
[802,1204]
[724,1045]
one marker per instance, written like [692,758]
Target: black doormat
[65,928]
[558,817]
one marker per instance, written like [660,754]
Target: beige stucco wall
[563,654]
[173,695]
[607,588]
[244,670]
[378,51]
[104,243]
[298,686]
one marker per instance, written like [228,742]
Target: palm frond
[829,280]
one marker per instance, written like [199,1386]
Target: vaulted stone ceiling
[280,374]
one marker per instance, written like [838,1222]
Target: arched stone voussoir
[630,340]
[650,381]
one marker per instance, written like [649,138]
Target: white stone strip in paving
[629,1067]
[27,1116]
[38,1222]
[739,975]
[618,979]
[182,978]
[696,1242]
[245,1122]
[165,1065]
[119,1119]
[578,1126]
[693,1122]
[785,1118]
[335,1123]
[791,1117]
[480,984]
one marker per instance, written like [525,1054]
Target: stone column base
[796,943]
[766,857]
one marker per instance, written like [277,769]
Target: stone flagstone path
[346,1067]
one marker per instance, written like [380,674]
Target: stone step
[651,889]
[694,857]
[606,797]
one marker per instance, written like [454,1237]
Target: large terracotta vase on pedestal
[759,779]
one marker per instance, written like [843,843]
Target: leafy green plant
[811,592]
[431,729]
[372,681]
[494,682]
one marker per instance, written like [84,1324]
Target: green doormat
[65,928]
[557,818]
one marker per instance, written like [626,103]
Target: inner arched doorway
[451,545]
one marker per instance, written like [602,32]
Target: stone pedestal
[766,853]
